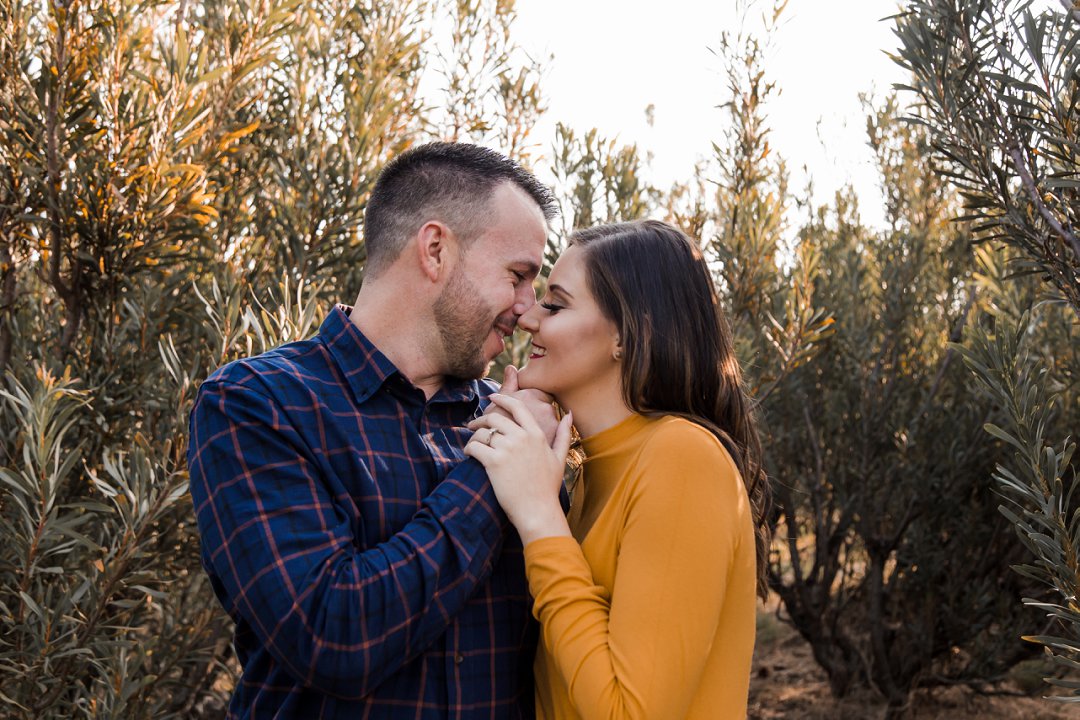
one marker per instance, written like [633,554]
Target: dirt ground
[787,683]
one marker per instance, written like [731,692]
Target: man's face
[492,285]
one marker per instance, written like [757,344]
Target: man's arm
[340,619]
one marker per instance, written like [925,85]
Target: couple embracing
[390,532]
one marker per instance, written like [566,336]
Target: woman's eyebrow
[559,289]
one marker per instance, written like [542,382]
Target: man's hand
[538,403]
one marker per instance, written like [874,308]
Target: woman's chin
[530,380]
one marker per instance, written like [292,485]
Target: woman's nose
[530,320]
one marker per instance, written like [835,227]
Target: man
[365,561]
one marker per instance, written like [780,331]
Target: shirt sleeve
[339,619]
[640,650]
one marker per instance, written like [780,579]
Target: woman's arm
[639,651]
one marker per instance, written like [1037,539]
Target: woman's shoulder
[683,458]
[673,439]
[674,430]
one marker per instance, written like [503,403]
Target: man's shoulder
[294,366]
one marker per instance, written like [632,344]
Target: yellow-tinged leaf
[209,211]
[188,168]
[229,137]
[99,565]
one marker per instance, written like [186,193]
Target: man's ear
[436,249]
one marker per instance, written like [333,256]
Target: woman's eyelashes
[551,307]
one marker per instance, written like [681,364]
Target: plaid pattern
[360,554]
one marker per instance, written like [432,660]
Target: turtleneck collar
[613,437]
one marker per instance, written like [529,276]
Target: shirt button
[458,659]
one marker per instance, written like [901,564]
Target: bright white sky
[612,58]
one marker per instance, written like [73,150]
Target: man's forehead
[518,243]
[517,229]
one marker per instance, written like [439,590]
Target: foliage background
[183,183]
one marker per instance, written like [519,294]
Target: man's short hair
[449,182]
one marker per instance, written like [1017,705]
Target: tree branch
[1033,191]
[67,293]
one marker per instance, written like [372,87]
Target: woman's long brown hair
[678,357]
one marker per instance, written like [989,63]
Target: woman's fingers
[478,451]
[484,444]
[518,411]
[563,436]
[501,424]
[491,409]
[483,420]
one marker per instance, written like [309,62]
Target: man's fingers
[561,446]
[510,380]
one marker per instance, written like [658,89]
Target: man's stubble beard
[464,323]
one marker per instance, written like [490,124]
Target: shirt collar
[366,369]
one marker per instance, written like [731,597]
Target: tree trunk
[883,676]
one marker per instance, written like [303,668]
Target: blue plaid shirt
[365,561]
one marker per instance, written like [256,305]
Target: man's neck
[390,322]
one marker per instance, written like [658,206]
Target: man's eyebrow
[528,266]
[556,288]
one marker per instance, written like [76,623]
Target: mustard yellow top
[652,615]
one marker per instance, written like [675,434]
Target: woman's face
[573,344]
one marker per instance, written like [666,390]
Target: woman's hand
[524,471]
[538,403]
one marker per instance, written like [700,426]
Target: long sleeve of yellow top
[652,615]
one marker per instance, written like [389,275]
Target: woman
[646,592]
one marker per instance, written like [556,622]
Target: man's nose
[525,299]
